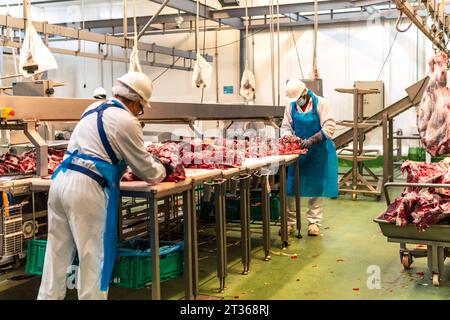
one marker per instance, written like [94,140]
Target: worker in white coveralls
[84,195]
[310,117]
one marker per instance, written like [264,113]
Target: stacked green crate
[133,264]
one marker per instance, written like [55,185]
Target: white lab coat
[328,124]
[77,203]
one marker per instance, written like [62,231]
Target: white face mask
[301,101]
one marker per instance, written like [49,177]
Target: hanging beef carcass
[433,115]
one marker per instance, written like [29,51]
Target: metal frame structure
[71,109]
[30,110]
[296,15]
[385,118]
[359,184]
[71,34]
[438,32]
[205,12]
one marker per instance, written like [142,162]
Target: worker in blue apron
[310,117]
[84,196]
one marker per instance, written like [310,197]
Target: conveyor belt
[414,96]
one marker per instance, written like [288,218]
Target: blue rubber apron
[318,168]
[109,180]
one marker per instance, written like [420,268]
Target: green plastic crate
[136,272]
[35,256]
[256,208]
[129,272]
[416,154]
[133,269]
[233,208]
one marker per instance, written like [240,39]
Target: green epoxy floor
[332,266]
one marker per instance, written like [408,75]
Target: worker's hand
[305,144]
[315,139]
[167,165]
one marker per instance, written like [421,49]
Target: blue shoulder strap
[315,100]
[101,128]
[293,109]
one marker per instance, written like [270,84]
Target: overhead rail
[438,31]
[149,50]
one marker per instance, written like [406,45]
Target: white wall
[346,53]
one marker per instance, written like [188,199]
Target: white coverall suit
[328,124]
[77,203]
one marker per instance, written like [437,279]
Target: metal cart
[11,236]
[436,238]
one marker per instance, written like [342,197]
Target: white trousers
[314,214]
[76,220]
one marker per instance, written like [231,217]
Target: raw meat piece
[421,172]
[433,114]
[290,145]
[26,162]
[422,206]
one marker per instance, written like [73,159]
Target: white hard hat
[139,83]
[100,93]
[294,89]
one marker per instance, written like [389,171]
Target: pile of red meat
[166,153]
[290,145]
[26,162]
[195,154]
[223,153]
[198,154]
[422,206]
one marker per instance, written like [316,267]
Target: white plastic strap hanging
[134,57]
[248,82]
[35,57]
[201,77]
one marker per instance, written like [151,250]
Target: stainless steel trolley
[11,235]
[436,238]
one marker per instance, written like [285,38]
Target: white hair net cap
[125,92]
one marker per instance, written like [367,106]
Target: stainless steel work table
[267,166]
[15,184]
[263,168]
[152,193]
[288,160]
[216,178]
[242,175]
[198,177]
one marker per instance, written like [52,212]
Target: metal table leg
[224,231]
[187,233]
[195,267]
[244,192]
[297,199]
[221,242]
[154,248]
[284,235]
[266,215]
